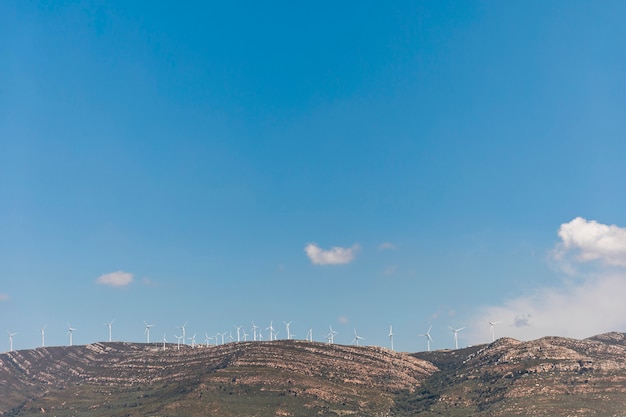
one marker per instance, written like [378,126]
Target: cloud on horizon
[115,279]
[581,306]
[334,256]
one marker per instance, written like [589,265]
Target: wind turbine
[109,325]
[206,339]
[428,337]
[43,336]
[357,338]
[164,341]
[70,330]
[183,329]
[391,336]
[288,329]
[254,329]
[456,336]
[331,335]
[245,335]
[11,340]
[493,329]
[309,335]
[271,329]
[193,340]
[178,338]
[147,331]
[222,335]
[238,331]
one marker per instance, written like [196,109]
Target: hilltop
[550,376]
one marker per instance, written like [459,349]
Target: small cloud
[115,279]
[343,320]
[386,246]
[4,297]
[522,320]
[334,256]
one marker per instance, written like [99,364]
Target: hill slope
[550,376]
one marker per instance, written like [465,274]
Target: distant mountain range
[551,376]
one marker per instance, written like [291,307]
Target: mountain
[547,377]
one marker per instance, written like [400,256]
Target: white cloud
[334,256]
[4,297]
[591,304]
[115,279]
[590,241]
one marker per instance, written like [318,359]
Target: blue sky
[445,149]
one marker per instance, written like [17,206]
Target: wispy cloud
[390,270]
[386,246]
[149,283]
[4,297]
[115,279]
[333,256]
[579,307]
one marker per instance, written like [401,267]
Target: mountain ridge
[548,376]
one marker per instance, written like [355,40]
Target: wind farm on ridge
[257,334]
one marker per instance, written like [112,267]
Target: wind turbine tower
[238,332]
[147,331]
[492,324]
[110,325]
[391,336]
[178,338]
[287,324]
[43,336]
[456,336]
[70,331]
[11,340]
[183,329]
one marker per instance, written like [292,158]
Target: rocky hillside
[551,376]
[546,377]
[248,378]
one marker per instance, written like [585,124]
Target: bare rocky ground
[546,377]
